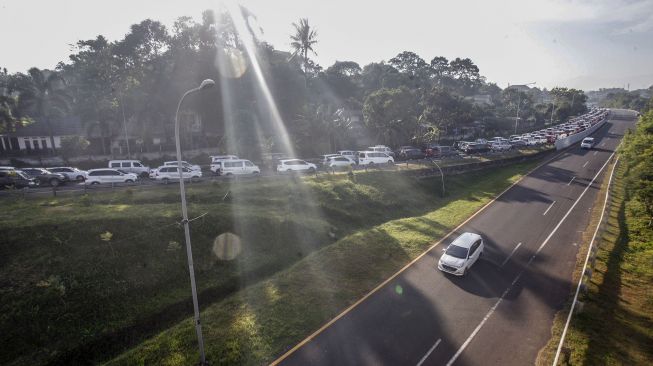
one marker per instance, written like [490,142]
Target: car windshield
[456,251]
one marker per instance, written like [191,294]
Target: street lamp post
[441,175]
[208,83]
[519,104]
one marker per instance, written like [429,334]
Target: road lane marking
[603,144]
[511,253]
[429,352]
[485,319]
[547,210]
[587,162]
[572,179]
[555,229]
[408,265]
[596,152]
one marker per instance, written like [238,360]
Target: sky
[587,44]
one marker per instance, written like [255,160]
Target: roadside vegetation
[259,323]
[615,326]
[85,278]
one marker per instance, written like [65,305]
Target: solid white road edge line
[547,210]
[572,179]
[511,253]
[494,307]
[429,352]
[580,281]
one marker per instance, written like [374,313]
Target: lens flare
[227,246]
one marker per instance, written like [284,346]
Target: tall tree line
[137,80]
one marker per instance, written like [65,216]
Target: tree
[73,145]
[10,113]
[466,73]
[391,115]
[45,97]
[444,110]
[569,102]
[439,67]
[412,65]
[303,41]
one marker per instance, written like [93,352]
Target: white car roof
[466,240]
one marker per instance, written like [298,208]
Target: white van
[373,157]
[130,166]
[239,167]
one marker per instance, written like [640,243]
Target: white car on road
[185,164]
[73,174]
[98,176]
[295,165]
[168,173]
[216,162]
[587,143]
[461,254]
[339,161]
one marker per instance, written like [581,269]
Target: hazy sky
[585,44]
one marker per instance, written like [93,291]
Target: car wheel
[311,170]
[194,177]
[371,163]
[390,162]
[165,180]
[256,172]
[79,178]
[54,182]
[129,181]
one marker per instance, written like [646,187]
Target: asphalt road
[501,313]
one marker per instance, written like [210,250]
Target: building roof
[66,126]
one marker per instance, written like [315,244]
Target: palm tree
[45,97]
[303,40]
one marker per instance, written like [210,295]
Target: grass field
[84,279]
[615,326]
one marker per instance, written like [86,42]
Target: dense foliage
[264,98]
[638,153]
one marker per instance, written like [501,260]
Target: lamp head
[207,84]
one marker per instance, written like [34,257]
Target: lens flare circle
[227,246]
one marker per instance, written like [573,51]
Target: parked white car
[500,146]
[239,167]
[373,157]
[185,164]
[99,176]
[339,161]
[216,162]
[168,173]
[351,154]
[325,158]
[383,149]
[587,143]
[130,166]
[461,254]
[70,172]
[295,165]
